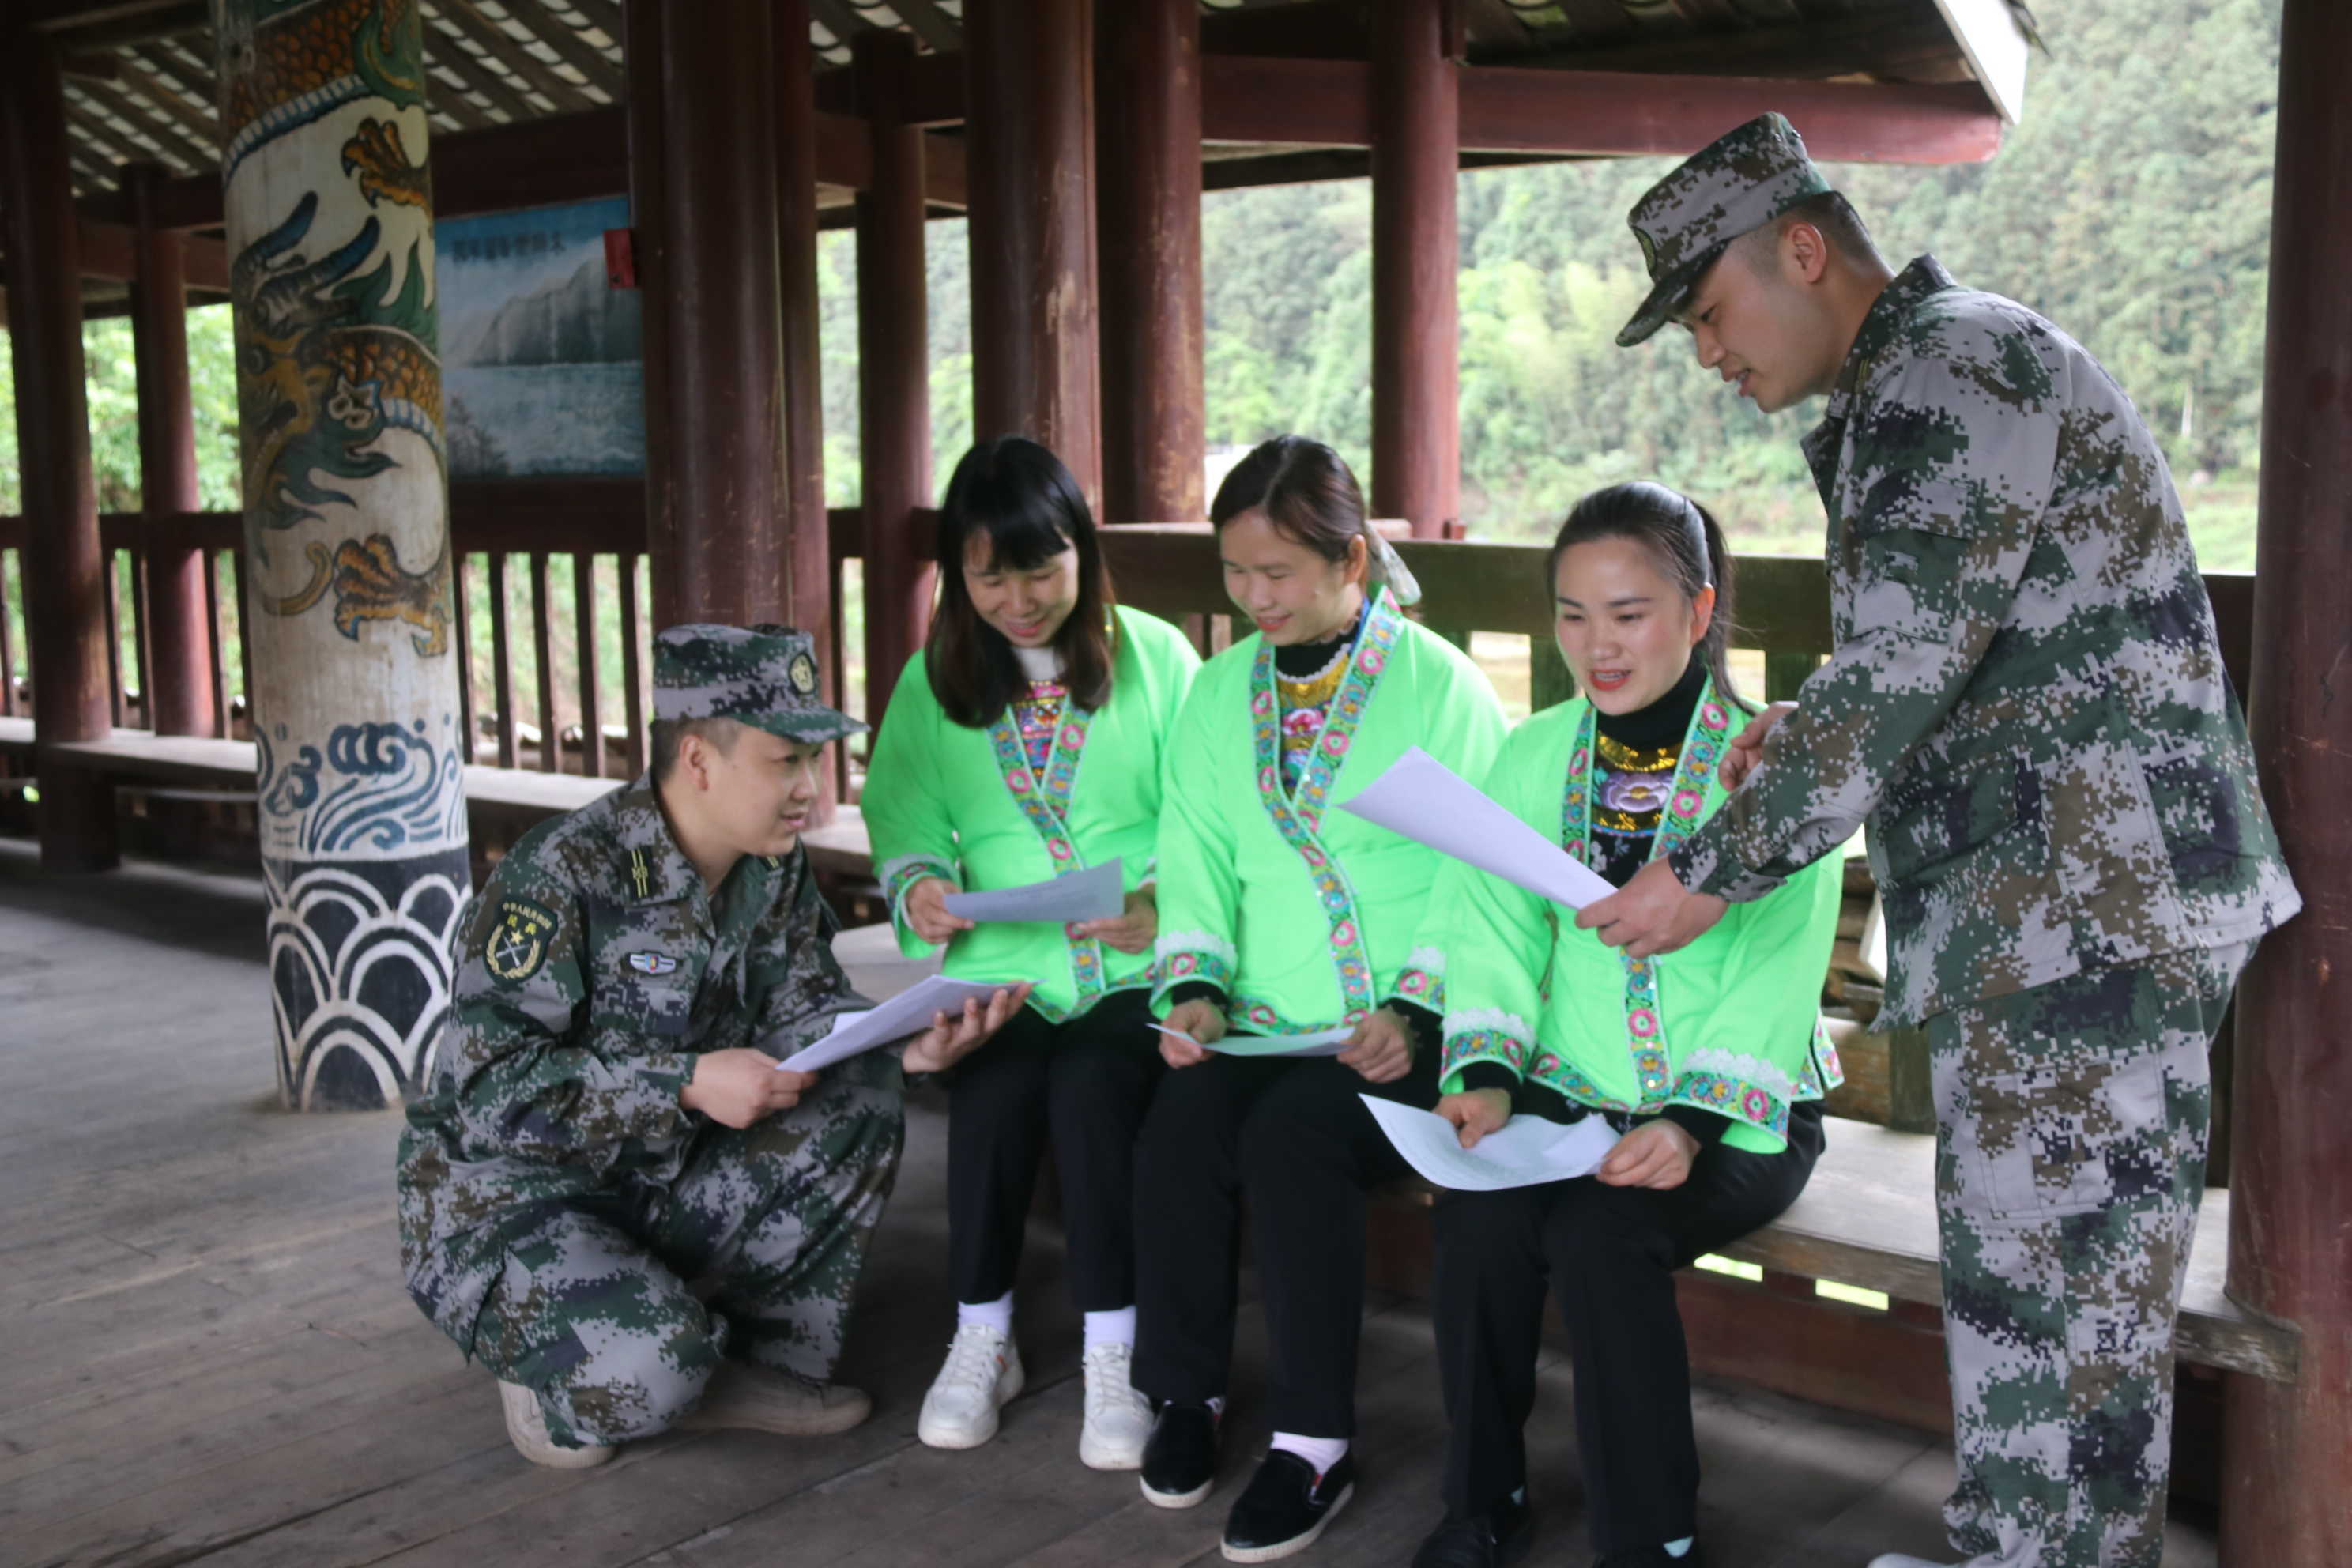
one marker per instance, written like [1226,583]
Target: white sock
[1680,1548]
[1116,1327]
[1321,1452]
[996,1314]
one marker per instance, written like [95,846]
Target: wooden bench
[1867,1218]
[226,768]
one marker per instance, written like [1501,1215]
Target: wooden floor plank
[212,1360]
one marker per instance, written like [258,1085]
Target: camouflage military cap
[763,676]
[1742,181]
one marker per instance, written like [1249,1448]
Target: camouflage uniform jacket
[594,968]
[2027,704]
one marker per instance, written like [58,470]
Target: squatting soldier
[2027,707]
[611,1195]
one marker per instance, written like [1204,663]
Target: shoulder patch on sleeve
[518,940]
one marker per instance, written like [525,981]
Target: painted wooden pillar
[1154,382]
[179,660]
[2287,1449]
[65,569]
[894,405]
[1029,130]
[1416,367]
[718,531]
[350,612]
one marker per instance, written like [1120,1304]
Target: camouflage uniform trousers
[601,1309]
[2072,1122]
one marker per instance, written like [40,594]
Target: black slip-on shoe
[1651,1557]
[1286,1505]
[1501,1535]
[1180,1457]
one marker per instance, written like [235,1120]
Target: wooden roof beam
[1328,103]
[1987,33]
[111,250]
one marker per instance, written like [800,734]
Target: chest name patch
[517,944]
[652,963]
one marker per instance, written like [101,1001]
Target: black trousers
[1085,1082]
[1610,1256]
[1289,1134]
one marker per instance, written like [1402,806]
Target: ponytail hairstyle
[1021,496]
[1683,538]
[1311,497]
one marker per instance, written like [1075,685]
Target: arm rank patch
[517,944]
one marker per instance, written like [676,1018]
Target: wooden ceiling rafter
[187,153]
[498,92]
[842,22]
[173,97]
[940,32]
[598,69]
[490,35]
[114,144]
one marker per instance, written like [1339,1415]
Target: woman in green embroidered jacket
[1025,742]
[1711,1063]
[1280,916]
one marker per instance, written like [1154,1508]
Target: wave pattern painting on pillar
[349,586]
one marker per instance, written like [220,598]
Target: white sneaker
[1117,1418]
[1902,1560]
[982,1371]
[527,1430]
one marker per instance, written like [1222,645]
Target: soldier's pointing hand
[737,1088]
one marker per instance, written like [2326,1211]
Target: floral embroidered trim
[1482,1046]
[1766,1075]
[1422,980]
[1296,815]
[1645,1028]
[1259,1017]
[1047,807]
[1182,955]
[899,875]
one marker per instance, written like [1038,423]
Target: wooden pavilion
[1077,138]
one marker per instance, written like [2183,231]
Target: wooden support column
[2288,1448]
[1416,368]
[348,583]
[894,408]
[806,546]
[1154,382]
[179,652]
[1029,120]
[715,528]
[65,568]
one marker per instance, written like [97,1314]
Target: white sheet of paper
[1096,893]
[1527,1150]
[1430,803]
[908,1013]
[1321,1042]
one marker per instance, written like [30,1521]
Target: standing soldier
[2027,707]
[612,1196]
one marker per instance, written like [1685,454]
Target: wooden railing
[546,541]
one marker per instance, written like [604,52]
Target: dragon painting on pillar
[350,581]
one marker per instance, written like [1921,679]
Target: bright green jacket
[947,799]
[1303,915]
[1731,1024]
